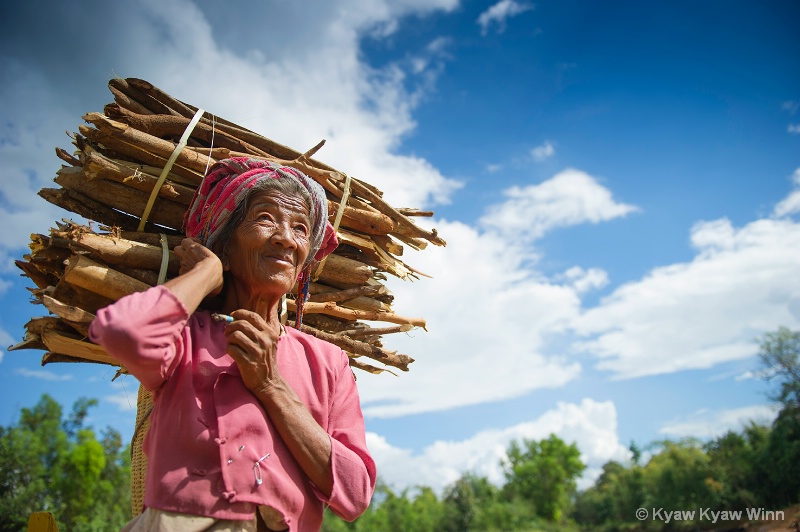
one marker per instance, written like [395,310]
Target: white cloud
[569,198]
[584,280]
[700,313]
[123,401]
[490,316]
[793,129]
[500,12]
[709,423]
[791,204]
[543,152]
[591,425]
[489,320]
[126,397]
[5,340]
[42,374]
[295,86]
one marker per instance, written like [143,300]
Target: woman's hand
[253,344]
[193,254]
[200,274]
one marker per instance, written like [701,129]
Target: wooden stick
[374,331]
[90,275]
[124,252]
[126,102]
[340,269]
[66,157]
[137,153]
[96,165]
[322,293]
[361,348]
[75,317]
[89,208]
[153,105]
[152,239]
[170,125]
[332,309]
[77,296]
[368,368]
[60,343]
[371,223]
[122,198]
[164,148]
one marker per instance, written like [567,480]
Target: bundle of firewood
[133,172]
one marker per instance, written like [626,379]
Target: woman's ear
[226,264]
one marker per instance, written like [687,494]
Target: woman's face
[268,249]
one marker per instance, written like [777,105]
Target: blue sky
[618,184]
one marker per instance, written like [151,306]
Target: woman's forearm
[309,444]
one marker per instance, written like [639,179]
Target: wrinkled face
[268,249]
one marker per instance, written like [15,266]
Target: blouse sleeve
[143,332]
[354,472]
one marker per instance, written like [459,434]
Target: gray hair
[290,187]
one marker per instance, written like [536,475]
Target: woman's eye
[301,229]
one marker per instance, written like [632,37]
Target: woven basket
[144,405]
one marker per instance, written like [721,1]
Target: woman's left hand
[253,345]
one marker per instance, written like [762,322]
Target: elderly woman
[249,416]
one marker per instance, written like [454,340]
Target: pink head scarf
[226,185]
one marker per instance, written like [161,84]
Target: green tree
[471,503]
[611,503]
[60,467]
[732,457]
[780,355]
[680,476]
[778,462]
[544,473]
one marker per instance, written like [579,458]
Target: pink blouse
[211,448]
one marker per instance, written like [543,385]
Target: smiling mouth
[281,258]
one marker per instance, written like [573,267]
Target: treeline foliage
[539,489]
[756,468]
[56,464]
[50,464]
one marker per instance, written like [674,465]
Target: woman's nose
[283,235]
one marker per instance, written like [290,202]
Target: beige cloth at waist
[153,520]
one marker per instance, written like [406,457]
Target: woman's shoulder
[318,349]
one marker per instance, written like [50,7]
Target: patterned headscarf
[226,185]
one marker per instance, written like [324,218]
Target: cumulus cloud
[270,84]
[590,424]
[712,423]
[489,320]
[696,314]
[499,13]
[543,152]
[491,316]
[584,280]
[571,197]
[793,129]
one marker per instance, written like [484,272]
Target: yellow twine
[162,273]
[168,167]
